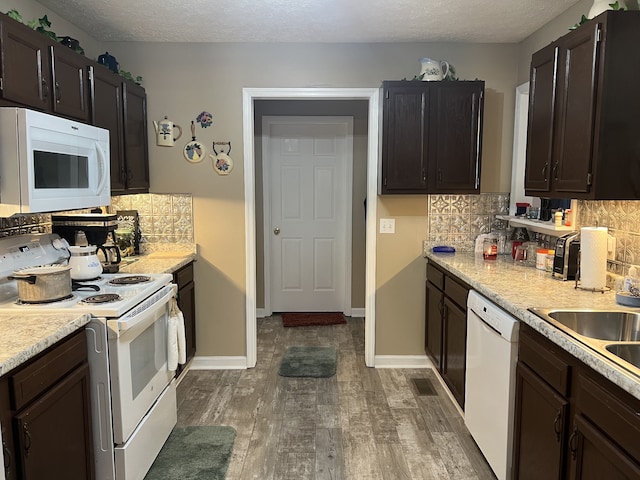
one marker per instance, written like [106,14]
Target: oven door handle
[142,316]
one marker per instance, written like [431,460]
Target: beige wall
[182,80]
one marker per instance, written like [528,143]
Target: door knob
[276,231]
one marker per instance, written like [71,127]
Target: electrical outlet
[387,225]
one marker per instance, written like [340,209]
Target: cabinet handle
[424,176]
[58,93]
[556,425]
[554,173]
[45,89]
[6,453]
[439,175]
[27,439]
[573,440]
[544,171]
[441,307]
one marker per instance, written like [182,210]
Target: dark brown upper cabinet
[120,106]
[42,74]
[582,139]
[431,137]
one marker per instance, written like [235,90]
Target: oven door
[138,361]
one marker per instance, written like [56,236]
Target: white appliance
[49,163]
[492,353]
[134,405]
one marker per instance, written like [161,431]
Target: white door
[307,165]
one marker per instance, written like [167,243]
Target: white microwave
[49,163]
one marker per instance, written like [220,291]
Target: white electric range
[133,393]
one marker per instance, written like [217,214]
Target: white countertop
[516,288]
[24,336]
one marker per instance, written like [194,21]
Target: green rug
[194,453]
[309,362]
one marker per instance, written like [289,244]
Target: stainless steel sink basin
[601,330]
[629,352]
[617,326]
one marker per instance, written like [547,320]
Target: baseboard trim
[402,361]
[218,363]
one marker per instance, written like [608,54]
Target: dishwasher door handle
[487,326]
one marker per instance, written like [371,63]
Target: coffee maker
[566,257]
[99,230]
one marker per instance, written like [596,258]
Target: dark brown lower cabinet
[183,278]
[446,327]
[570,421]
[45,411]
[540,448]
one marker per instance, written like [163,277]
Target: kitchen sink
[617,326]
[601,330]
[628,352]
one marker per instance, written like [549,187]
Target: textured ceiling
[490,21]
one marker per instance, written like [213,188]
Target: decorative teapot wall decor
[165,129]
[433,69]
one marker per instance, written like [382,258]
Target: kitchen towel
[593,257]
[176,341]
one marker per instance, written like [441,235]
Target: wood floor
[362,423]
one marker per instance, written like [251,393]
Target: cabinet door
[405,139]
[55,433]
[540,428]
[455,119]
[433,327]
[25,67]
[135,138]
[455,347]
[542,101]
[577,71]
[106,112]
[186,303]
[70,83]
[595,457]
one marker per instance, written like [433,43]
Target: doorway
[250,95]
[307,165]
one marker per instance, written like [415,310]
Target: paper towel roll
[593,257]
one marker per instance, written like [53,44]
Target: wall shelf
[546,228]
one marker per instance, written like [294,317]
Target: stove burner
[130,280]
[94,279]
[103,298]
[43,302]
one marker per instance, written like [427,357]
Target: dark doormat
[309,362]
[194,453]
[305,319]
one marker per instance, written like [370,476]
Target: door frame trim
[249,95]
[347,121]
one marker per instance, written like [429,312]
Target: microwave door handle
[103,160]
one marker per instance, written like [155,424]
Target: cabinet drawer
[456,292]
[435,276]
[183,276]
[48,369]
[615,412]
[543,358]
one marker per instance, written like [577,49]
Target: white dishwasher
[492,353]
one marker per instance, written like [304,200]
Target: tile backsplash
[166,220]
[456,220]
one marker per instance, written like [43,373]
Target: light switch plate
[387,225]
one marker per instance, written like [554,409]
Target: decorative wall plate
[194,151]
[222,164]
